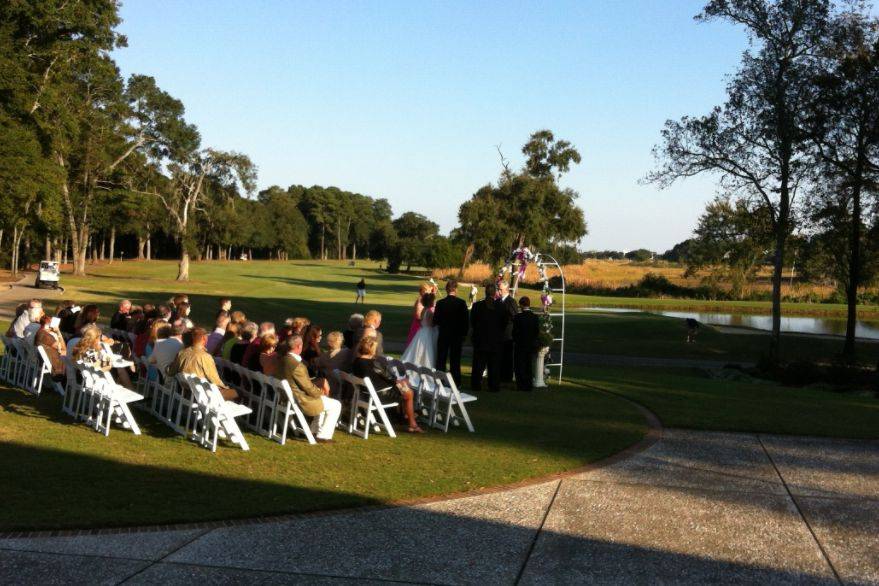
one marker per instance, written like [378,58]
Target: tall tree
[844,126]
[527,207]
[755,142]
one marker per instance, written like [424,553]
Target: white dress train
[421,351]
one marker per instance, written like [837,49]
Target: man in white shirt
[166,350]
[32,314]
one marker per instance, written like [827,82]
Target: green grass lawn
[688,398]
[66,475]
[324,292]
[61,474]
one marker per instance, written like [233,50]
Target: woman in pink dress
[418,309]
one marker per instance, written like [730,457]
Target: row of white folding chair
[211,415]
[93,396]
[26,365]
[438,395]
[365,405]
[275,410]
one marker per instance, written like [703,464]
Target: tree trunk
[778,265]
[183,267]
[467,255]
[112,243]
[354,251]
[854,275]
[149,249]
[13,260]
[140,246]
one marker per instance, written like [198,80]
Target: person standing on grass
[452,320]
[526,328]
[312,396]
[507,356]
[361,292]
[488,321]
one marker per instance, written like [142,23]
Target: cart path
[696,507]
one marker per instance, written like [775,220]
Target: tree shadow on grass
[383,285]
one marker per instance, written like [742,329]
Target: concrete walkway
[696,507]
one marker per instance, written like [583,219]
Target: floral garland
[518,262]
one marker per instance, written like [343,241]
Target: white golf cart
[49,275]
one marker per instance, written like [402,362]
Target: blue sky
[407,100]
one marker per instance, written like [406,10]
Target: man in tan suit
[313,399]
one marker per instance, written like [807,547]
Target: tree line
[90,161]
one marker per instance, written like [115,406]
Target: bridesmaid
[418,308]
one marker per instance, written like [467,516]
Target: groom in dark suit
[488,319]
[511,308]
[526,328]
[452,319]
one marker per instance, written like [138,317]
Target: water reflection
[802,325]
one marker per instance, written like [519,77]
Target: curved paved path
[695,507]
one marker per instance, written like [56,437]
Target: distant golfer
[361,292]
[692,329]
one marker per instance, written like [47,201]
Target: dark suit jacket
[526,326]
[512,308]
[451,317]
[488,320]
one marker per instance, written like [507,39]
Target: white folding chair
[73,387]
[221,414]
[8,360]
[365,405]
[451,404]
[46,369]
[113,404]
[288,414]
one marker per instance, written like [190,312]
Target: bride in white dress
[421,351]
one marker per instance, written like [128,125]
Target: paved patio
[696,507]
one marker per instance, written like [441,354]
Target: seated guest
[225,306]
[312,352]
[389,388]
[311,396]
[29,314]
[196,360]
[526,328]
[165,313]
[148,308]
[20,309]
[120,319]
[67,314]
[355,322]
[53,343]
[137,316]
[215,340]
[183,311]
[34,313]
[335,358]
[230,338]
[165,351]
[248,335]
[88,350]
[251,354]
[238,318]
[142,333]
[371,323]
[87,317]
[175,304]
[286,330]
[158,330]
[299,325]
[268,362]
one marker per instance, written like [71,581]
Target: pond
[802,325]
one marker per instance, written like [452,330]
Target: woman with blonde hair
[88,350]
[418,309]
[390,389]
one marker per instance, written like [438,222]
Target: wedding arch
[552,320]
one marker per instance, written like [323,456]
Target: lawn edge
[651,436]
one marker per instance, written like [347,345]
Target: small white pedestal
[539,383]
